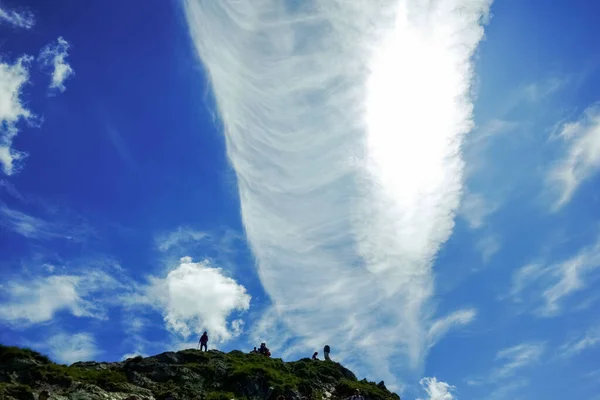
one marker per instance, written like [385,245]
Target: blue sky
[414,185]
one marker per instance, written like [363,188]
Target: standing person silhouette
[204,341]
[326,352]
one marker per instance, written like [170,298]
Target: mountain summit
[183,375]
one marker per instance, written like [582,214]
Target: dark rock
[98,366]
[168,358]
[186,375]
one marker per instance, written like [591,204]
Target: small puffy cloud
[582,156]
[21,19]
[53,56]
[37,300]
[195,297]
[437,390]
[549,286]
[12,79]
[67,348]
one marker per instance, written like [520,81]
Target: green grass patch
[346,387]
[10,353]
[21,392]
[62,374]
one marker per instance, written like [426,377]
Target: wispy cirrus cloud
[546,287]
[581,159]
[348,186]
[69,348]
[475,208]
[514,358]
[488,246]
[54,56]
[179,237]
[510,366]
[33,300]
[441,326]
[577,345]
[21,19]
[34,227]
[27,225]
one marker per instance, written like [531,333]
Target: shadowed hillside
[188,374]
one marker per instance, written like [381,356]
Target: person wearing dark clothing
[356,396]
[314,357]
[326,352]
[204,341]
[254,351]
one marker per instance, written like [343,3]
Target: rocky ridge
[183,375]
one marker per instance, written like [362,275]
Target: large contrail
[344,121]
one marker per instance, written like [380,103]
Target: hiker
[254,351]
[264,350]
[326,352]
[204,341]
[314,357]
[356,396]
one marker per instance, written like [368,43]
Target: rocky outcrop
[184,375]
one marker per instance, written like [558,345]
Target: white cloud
[54,55]
[551,285]
[515,358]
[67,348]
[178,237]
[582,156]
[195,297]
[488,246]
[26,225]
[475,209]
[506,377]
[37,228]
[437,390]
[22,19]
[36,300]
[344,123]
[440,327]
[538,91]
[577,345]
[12,79]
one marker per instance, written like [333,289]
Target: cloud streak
[582,156]
[343,121]
[24,19]
[575,346]
[547,287]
